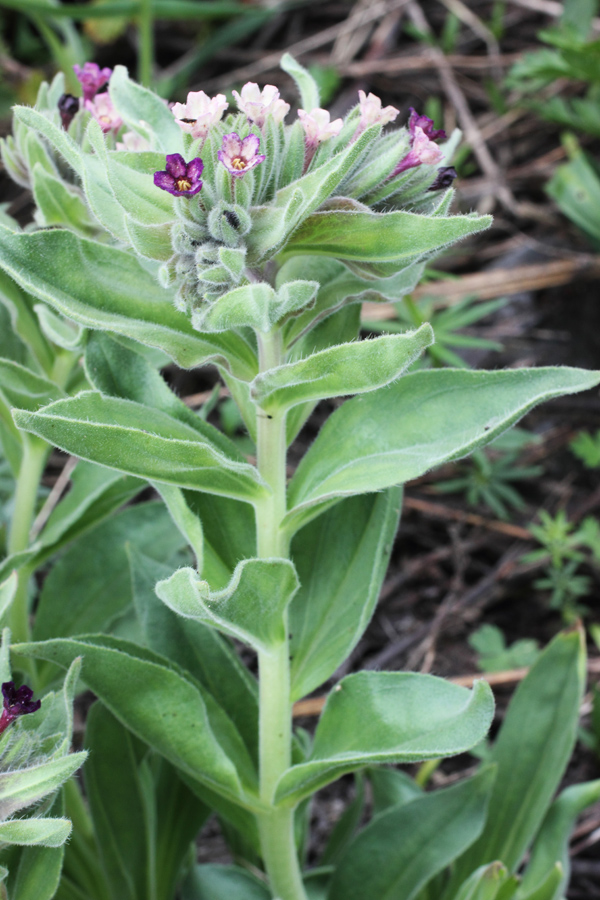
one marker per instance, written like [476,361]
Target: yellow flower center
[238,163]
[183,184]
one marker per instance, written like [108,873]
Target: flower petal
[164,181]
[232,145]
[249,147]
[194,169]
[176,166]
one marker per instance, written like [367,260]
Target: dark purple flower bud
[92,78]
[68,107]
[180,178]
[444,179]
[426,125]
[16,703]
[239,156]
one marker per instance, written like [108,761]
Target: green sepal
[250,608]
[379,717]
[354,368]
[276,221]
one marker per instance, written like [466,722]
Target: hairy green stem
[276,826]
[32,467]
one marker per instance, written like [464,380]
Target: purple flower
[180,178]
[68,107]
[91,78]
[423,150]
[444,179]
[16,703]
[426,125]
[239,156]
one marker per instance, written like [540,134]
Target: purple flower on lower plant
[180,178]
[426,125]
[239,156]
[16,703]
[68,107]
[92,78]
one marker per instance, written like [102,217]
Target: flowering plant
[245,242]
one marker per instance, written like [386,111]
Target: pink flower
[239,156]
[91,78]
[422,151]
[371,112]
[317,126]
[133,142]
[199,113]
[257,104]
[104,112]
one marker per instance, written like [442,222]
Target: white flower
[133,142]
[371,112]
[257,104]
[424,150]
[199,113]
[317,126]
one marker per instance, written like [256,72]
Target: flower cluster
[16,703]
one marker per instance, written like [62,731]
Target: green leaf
[378,717]
[31,832]
[391,787]
[141,441]
[250,608]
[552,841]
[531,752]
[57,137]
[341,561]
[39,869]
[549,889]
[107,289]
[122,371]
[376,243]
[19,386]
[89,587]
[117,804]
[201,651]
[339,287]
[256,306]
[25,324]
[404,847]
[59,204]
[232,534]
[8,589]
[575,187]
[136,103]
[346,369]
[162,706]
[23,787]
[427,418]
[306,84]
[213,882]
[345,826]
